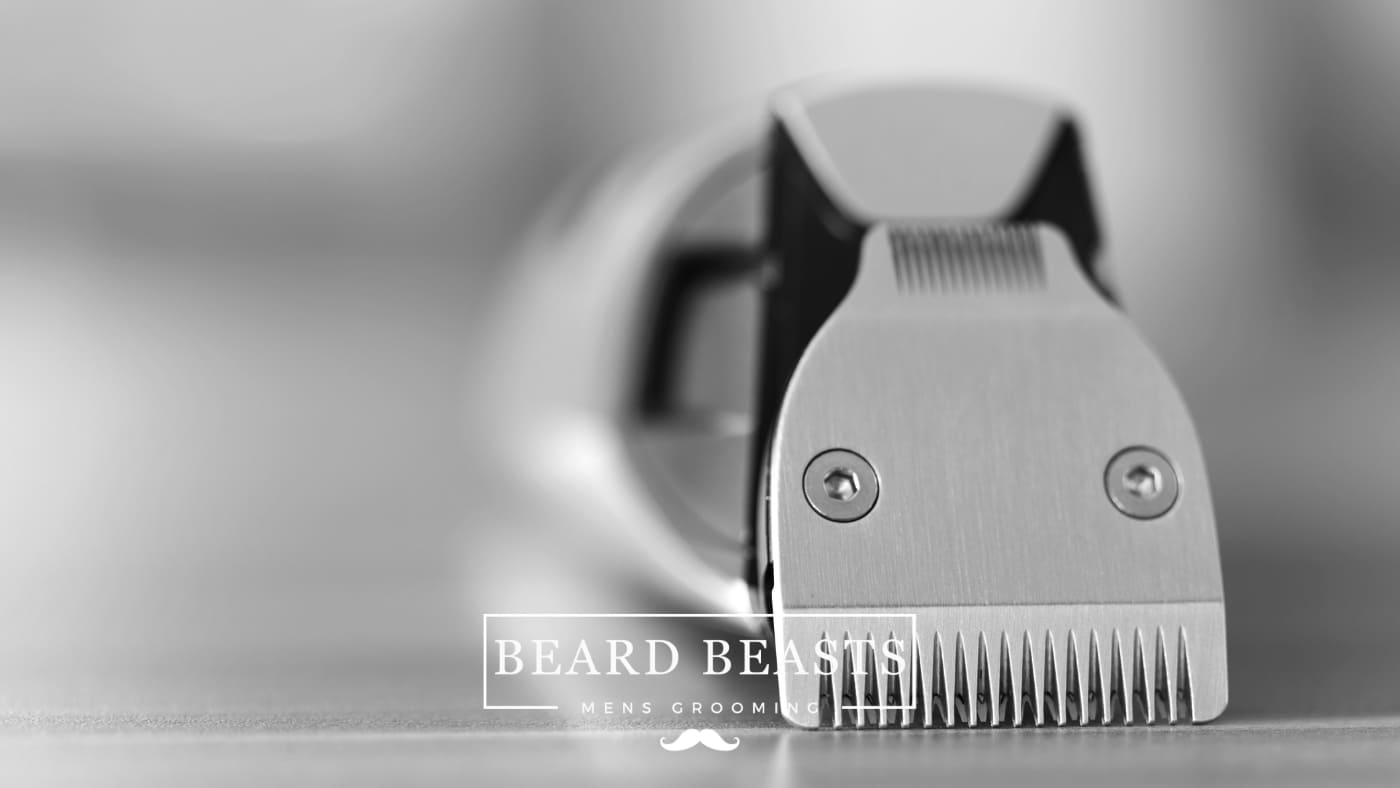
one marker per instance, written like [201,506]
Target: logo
[691,672]
[691,737]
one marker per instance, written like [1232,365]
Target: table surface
[269,678]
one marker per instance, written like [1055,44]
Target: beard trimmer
[962,471]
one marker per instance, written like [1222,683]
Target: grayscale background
[248,528]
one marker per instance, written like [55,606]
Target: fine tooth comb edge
[1134,668]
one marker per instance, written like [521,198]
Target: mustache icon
[691,737]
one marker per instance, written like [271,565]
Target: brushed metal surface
[991,416]
[991,409]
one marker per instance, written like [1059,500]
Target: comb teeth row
[999,666]
[966,259]
[1035,679]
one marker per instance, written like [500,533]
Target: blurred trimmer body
[969,479]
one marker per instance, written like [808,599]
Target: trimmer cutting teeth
[1075,675]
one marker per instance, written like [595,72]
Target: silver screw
[840,485]
[1144,481]
[1141,482]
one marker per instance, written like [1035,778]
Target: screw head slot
[1141,483]
[841,485]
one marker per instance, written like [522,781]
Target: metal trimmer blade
[981,498]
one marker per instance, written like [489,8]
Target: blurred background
[247,249]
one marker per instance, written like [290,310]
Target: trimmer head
[979,391]
[982,490]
